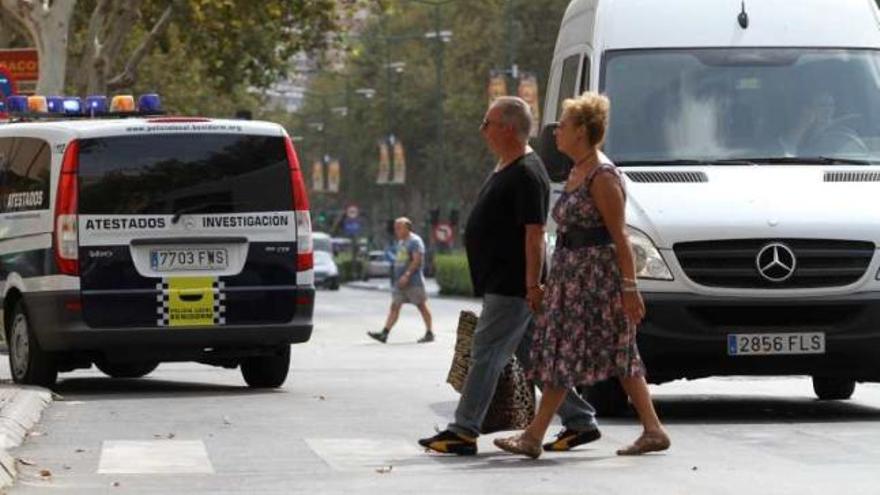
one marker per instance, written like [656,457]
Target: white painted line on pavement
[154,457]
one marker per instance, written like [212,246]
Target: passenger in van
[408,282]
[504,239]
[586,332]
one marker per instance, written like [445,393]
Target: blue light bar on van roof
[55,104]
[17,103]
[149,102]
[72,105]
[96,105]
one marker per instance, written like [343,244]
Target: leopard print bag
[513,405]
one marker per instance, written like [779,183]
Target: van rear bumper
[685,335]
[56,319]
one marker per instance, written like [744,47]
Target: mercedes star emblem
[776,262]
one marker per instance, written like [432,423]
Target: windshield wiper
[200,207]
[675,162]
[811,160]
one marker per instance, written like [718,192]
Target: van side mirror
[557,163]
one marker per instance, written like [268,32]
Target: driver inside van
[818,130]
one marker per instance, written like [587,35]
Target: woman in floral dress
[587,330]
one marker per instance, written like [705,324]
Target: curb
[19,412]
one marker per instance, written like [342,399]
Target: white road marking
[154,456]
[405,456]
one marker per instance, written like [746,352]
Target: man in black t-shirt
[504,239]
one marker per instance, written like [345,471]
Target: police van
[130,240]
[748,134]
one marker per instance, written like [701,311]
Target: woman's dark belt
[583,237]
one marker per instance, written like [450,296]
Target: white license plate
[759,344]
[184,259]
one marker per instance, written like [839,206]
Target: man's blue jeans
[505,327]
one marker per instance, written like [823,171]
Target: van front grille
[733,263]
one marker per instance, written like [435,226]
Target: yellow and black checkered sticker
[191,301]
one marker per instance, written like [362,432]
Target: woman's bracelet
[630,289]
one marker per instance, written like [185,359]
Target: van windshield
[176,174]
[760,105]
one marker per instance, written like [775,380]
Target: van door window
[585,76]
[568,81]
[24,174]
[173,174]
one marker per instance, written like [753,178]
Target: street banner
[333,176]
[528,91]
[384,163]
[399,164]
[317,176]
[497,85]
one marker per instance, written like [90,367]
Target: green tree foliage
[211,49]
[486,36]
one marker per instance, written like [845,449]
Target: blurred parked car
[378,264]
[321,242]
[326,271]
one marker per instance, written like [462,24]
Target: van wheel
[28,363]
[334,284]
[607,397]
[828,388]
[267,371]
[126,370]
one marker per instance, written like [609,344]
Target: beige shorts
[413,295]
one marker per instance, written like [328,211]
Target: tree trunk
[48,24]
[110,24]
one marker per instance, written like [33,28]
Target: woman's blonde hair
[591,111]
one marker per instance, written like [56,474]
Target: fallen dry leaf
[26,462]
[45,473]
[79,451]
[384,469]
[115,483]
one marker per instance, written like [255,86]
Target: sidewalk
[20,409]
[384,284]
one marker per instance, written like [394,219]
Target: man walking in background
[408,281]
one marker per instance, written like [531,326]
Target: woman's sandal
[520,444]
[648,442]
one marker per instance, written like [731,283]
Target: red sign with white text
[22,63]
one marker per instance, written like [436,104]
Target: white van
[130,241]
[748,133]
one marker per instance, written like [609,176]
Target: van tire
[126,370]
[267,371]
[28,363]
[607,397]
[829,388]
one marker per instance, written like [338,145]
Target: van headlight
[649,262]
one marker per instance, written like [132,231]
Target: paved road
[347,420]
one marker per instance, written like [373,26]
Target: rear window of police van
[197,173]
